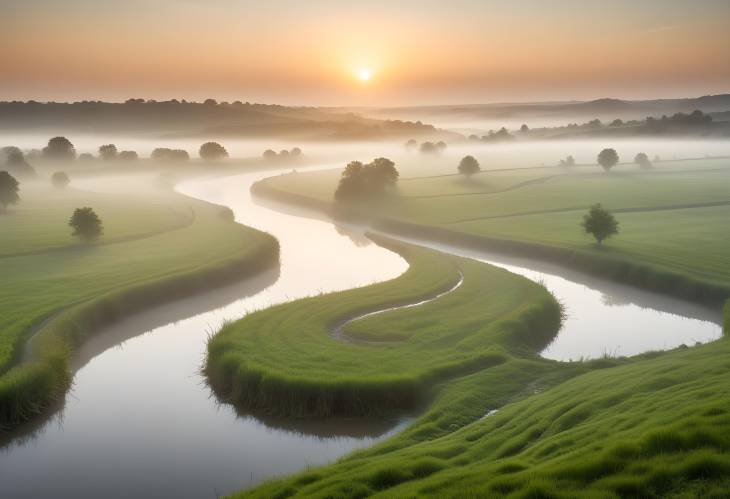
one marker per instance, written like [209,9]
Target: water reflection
[604,317]
[140,420]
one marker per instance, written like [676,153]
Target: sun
[364,74]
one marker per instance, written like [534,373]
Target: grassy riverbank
[155,249]
[285,361]
[655,425]
[673,217]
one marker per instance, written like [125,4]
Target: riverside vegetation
[56,290]
[654,425]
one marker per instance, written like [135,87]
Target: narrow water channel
[141,422]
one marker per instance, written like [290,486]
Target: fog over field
[362,249]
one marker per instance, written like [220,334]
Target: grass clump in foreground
[654,426]
[285,361]
[62,291]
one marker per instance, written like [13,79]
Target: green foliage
[60,297]
[366,181]
[600,223]
[608,158]
[86,224]
[469,166]
[9,188]
[388,361]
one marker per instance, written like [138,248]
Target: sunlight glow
[364,74]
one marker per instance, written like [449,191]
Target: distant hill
[209,119]
[549,113]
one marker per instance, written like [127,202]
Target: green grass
[545,206]
[656,425]
[284,361]
[40,221]
[182,246]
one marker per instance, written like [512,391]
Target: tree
[210,102]
[108,152]
[59,148]
[524,129]
[212,151]
[9,188]
[269,154]
[469,166]
[600,223]
[128,156]
[86,224]
[608,158]
[170,155]
[411,144]
[642,160]
[16,163]
[296,151]
[428,148]
[366,181]
[86,157]
[441,145]
[60,180]
[283,153]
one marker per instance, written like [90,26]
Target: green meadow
[672,217]
[285,361]
[654,425]
[57,290]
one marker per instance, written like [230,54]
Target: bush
[600,223]
[366,181]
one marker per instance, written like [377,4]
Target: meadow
[286,361]
[57,290]
[672,218]
[653,425]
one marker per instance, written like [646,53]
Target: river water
[141,422]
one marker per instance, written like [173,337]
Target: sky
[315,52]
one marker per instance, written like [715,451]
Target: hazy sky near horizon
[311,52]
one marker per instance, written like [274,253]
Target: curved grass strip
[29,387]
[284,361]
[337,330]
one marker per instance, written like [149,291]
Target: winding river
[141,422]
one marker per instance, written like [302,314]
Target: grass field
[655,425]
[153,249]
[284,361]
[673,216]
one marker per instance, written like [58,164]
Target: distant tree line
[270,154]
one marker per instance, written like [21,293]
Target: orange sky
[309,52]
